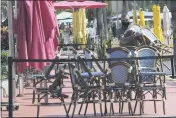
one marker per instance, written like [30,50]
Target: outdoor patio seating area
[100,88]
[79,58]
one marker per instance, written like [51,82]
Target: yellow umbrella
[154,18]
[157,22]
[74,26]
[159,29]
[84,33]
[79,26]
[135,18]
[142,19]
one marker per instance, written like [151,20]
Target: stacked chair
[83,90]
[91,77]
[120,77]
[150,78]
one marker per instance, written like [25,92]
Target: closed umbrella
[37,33]
[84,39]
[157,22]
[154,18]
[166,21]
[142,19]
[135,18]
[79,26]
[74,26]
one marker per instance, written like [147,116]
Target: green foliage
[4,57]
[4,38]
[4,62]
[101,50]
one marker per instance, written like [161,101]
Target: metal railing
[12,60]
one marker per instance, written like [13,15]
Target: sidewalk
[27,109]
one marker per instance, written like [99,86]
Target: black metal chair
[119,86]
[82,89]
[150,78]
[56,89]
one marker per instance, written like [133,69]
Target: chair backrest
[118,52]
[72,74]
[76,78]
[51,67]
[75,57]
[145,51]
[120,72]
[146,65]
[87,55]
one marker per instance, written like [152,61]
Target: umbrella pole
[12,85]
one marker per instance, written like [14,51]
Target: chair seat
[95,74]
[152,73]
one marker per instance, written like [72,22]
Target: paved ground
[27,109]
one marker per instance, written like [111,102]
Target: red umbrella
[36,30]
[70,4]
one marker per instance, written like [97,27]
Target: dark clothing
[114,31]
[121,31]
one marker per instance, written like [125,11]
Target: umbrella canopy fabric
[166,21]
[78,4]
[64,15]
[36,34]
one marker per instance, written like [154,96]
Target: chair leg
[113,108]
[131,108]
[122,107]
[119,106]
[83,101]
[74,106]
[66,111]
[70,103]
[165,93]
[135,106]
[155,106]
[101,111]
[104,97]
[38,106]
[34,87]
[80,108]
[111,103]
[164,111]
[136,98]
[94,103]
[86,106]
[140,107]
[143,106]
